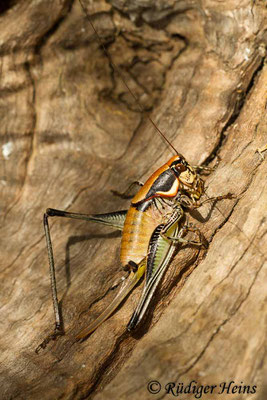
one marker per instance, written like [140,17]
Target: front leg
[174,219]
[198,204]
[190,228]
[190,204]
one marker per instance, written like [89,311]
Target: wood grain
[70,133]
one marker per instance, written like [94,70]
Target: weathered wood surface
[70,133]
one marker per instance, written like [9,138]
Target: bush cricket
[151,228]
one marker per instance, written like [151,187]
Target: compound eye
[180,168]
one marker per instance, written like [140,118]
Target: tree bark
[71,132]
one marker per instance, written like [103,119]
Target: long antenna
[116,68]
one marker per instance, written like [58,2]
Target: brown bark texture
[71,132]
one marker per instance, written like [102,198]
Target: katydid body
[151,229]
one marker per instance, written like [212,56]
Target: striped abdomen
[137,231]
[143,216]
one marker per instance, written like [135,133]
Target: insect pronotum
[153,225]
